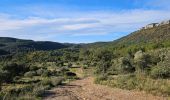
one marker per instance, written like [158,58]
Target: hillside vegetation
[151,38]
[13,45]
[139,61]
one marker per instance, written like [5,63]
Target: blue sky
[78,21]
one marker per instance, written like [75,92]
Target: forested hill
[9,45]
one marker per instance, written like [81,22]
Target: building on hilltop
[151,25]
[165,22]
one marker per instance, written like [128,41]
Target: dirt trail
[85,89]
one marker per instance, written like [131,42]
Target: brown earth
[85,89]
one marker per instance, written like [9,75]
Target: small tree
[141,60]
[104,62]
[126,65]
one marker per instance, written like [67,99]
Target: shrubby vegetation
[148,71]
[139,61]
[29,75]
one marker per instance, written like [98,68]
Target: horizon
[78,21]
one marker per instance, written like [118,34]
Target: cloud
[79,23]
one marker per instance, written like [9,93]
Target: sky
[78,21]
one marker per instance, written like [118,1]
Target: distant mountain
[158,34]
[12,45]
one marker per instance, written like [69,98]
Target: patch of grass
[142,83]
[100,78]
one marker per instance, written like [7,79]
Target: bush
[43,72]
[46,81]
[122,65]
[14,92]
[5,76]
[40,71]
[160,72]
[63,69]
[39,91]
[9,71]
[56,81]
[46,73]
[30,74]
[15,69]
[142,61]
[125,65]
[33,68]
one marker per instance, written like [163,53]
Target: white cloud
[80,23]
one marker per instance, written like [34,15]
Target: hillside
[10,45]
[157,35]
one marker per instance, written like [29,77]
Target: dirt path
[85,89]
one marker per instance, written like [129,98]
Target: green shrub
[56,81]
[142,61]
[40,71]
[5,76]
[30,74]
[39,91]
[13,70]
[46,73]
[33,68]
[160,72]
[46,81]
[14,92]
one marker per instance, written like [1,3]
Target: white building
[151,25]
[165,22]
